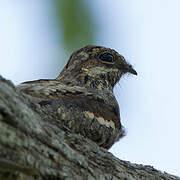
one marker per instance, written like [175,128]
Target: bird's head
[95,67]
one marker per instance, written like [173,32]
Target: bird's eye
[107,57]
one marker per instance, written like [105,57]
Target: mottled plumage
[82,95]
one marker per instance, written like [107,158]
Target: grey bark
[33,148]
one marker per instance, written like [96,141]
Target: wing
[38,88]
[89,112]
[86,113]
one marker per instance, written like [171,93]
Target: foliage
[76,23]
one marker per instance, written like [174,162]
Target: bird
[81,97]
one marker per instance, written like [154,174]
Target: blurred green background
[76,22]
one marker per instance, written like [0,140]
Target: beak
[130,69]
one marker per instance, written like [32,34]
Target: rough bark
[33,148]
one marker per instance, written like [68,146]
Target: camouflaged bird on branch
[81,97]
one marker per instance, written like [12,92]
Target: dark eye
[107,57]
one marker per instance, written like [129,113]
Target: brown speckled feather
[82,95]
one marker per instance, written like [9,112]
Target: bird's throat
[95,78]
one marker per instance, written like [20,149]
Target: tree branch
[33,148]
